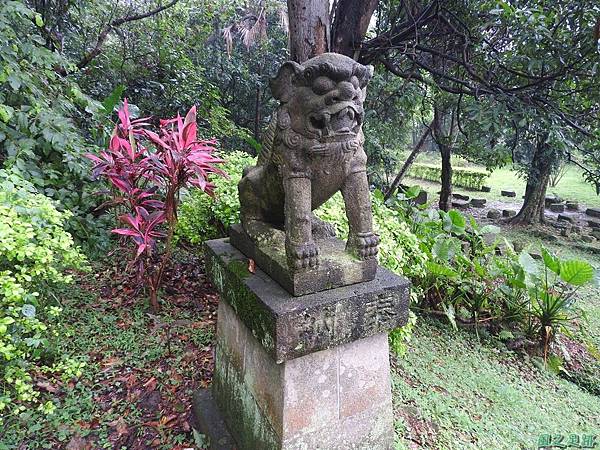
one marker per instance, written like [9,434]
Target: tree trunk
[411,158]
[446,192]
[443,141]
[532,211]
[350,23]
[309,28]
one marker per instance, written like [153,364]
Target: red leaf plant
[147,171]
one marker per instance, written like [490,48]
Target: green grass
[571,187]
[452,392]
[125,350]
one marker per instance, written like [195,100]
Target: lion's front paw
[301,256]
[363,245]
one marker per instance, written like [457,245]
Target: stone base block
[335,399]
[302,373]
[336,266]
[289,326]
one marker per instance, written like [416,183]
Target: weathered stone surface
[560,225]
[312,149]
[337,267]
[593,212]
[288,326]
[486,189]
[460,196]
[567,218]
[460,204]
[333,399]
[596,234]
[572,206]
[594,224]
[208,420]
[508,194]
[576,229]
[564,232]
[557,207]
[551,200]
[508,213]
[587,238]
[478,202]
[494,214]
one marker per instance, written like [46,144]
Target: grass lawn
[452,392]
[571,187]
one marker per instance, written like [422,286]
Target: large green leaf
[551,261]
[445,247]
[440,271]
[111,101]
[528,263]
[576,272]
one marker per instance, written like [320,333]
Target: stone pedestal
[309,372]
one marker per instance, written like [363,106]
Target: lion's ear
[281,85]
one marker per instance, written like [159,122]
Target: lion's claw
[302,256]
[363,245]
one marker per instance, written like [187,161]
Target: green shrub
[202,217]
[463,177]
[35,251]
[44,119]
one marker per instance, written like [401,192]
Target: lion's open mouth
[342,120]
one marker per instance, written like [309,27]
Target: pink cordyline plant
[146,182]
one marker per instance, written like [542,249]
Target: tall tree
[309,28]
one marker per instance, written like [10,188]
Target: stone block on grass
[593,212]
[478,202]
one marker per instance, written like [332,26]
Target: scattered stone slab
[508,193]
[460,196]
[594,224]
[508,213]
[593,212]
[566,218]
[494,214]
[478,202]
[550,200]
[460,204]
[587,238]
[596,234]
[557,207]
[536,256]
[486,189]
[572,206]
[518,246]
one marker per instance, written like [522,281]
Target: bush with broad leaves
[147,171]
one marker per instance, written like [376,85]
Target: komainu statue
[313,148]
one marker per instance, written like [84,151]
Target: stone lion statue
[312,149]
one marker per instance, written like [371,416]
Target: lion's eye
[322,85]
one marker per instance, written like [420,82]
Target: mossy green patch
[239,268]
